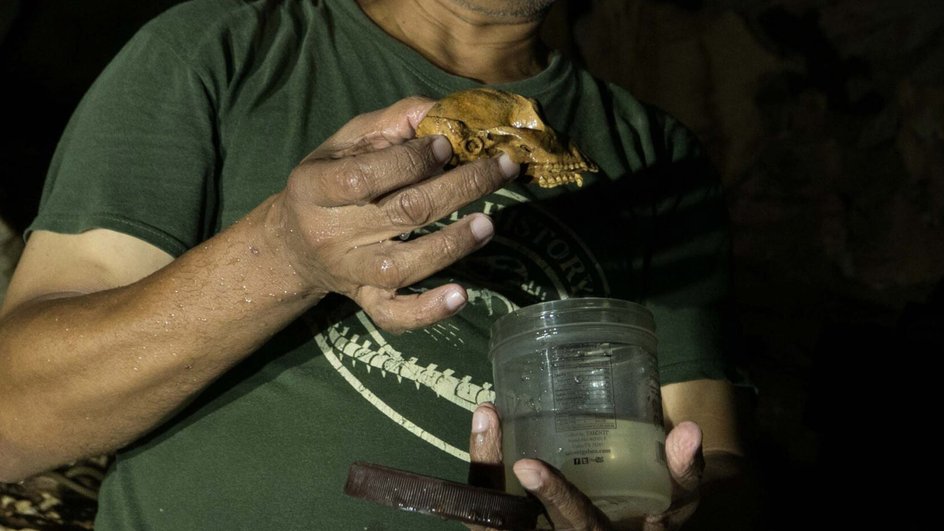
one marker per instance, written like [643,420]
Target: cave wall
[825,119]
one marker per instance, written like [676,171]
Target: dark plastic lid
[408,491]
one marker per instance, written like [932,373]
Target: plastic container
[577,386]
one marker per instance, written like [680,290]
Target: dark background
[825,119]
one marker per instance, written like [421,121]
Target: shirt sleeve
[677,239]
[138,155]
[685,261]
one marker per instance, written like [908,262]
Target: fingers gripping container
[577,386]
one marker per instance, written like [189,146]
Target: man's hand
[154,330]
[569,509]
[347,201]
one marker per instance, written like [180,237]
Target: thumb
[686,465]
[485,469]
[684,456]
[566,506]
[376,130]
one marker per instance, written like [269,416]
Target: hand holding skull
[344,204]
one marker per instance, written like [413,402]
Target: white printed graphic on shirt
[358,358]
[376,354]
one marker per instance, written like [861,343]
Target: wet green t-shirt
[204,114]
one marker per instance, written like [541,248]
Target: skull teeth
[551,180]
[558,167]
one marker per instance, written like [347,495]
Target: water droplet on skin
[188,367]
[253,250]
[247,299]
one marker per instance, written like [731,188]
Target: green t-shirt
[204,114]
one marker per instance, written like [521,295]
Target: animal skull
[484,122]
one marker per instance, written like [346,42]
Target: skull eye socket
[474,146]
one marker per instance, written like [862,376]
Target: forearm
[87,374]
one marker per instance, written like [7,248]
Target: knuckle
[479,181]
[559,495]
[413,207]
[352,181]
[451,247]
[413,158]
[387,273]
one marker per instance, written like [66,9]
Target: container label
[583,388]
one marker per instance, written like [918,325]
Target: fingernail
[480,421]
[508,167]
[482,228]
[454,300]
[529,478]
[442,150]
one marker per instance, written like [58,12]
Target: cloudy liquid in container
[622,469]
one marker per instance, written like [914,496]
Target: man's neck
[470,38]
